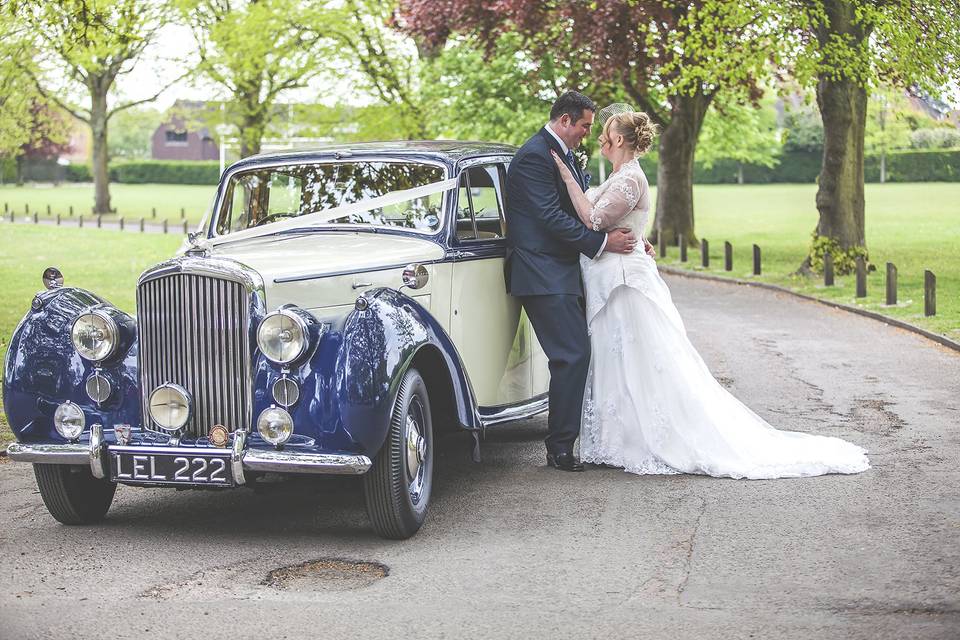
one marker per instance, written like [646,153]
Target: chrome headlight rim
[300,324]
[188,402]
[112,327]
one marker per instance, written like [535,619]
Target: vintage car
[336,310]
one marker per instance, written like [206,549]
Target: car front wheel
[397,487]
[72,494]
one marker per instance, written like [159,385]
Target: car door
[493,336]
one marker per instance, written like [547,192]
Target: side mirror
[415,276]
[52,278]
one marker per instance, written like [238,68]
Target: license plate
[170,468]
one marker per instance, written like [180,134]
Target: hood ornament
[197,245]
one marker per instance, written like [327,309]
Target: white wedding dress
[651,405]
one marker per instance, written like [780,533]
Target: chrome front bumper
[242,458]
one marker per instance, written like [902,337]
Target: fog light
[98,388]
[69,420]
[170,406]
[275,425]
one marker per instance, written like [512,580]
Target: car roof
[449,151]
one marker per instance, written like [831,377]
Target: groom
[544,241]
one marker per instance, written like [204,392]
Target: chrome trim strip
[96,451]
[348,272]
[301,462]
[216,452]
[475,160]
[70,453]
[508,413]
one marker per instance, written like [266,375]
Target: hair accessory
[614,109]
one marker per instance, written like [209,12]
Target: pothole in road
[327,574]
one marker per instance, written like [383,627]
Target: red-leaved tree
[669,58]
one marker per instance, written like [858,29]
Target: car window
[262,196]
[479,206]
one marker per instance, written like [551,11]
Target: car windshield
[262,196]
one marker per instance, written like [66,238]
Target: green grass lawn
[132,201]
[916,226]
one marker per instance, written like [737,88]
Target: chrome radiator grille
[194,332]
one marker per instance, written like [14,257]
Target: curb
[946,342]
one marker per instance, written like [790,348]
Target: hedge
[166,172]
[927,165]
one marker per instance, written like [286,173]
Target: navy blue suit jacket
[544,235]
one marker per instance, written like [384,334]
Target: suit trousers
[561,327]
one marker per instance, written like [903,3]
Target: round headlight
[282,336]
[275,425]
[170,407]
[69,421]
[94,336]
[98,388]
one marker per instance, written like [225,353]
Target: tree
[256,50]
[18,94]
[670,58]
[845,48]
[740,132]
[92,43]
[49,136]
[131,132]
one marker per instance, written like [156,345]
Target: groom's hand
[621,241]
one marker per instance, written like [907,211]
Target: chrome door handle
[361,285]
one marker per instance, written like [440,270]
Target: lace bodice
[622,201]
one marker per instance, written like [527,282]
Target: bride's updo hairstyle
[637,129]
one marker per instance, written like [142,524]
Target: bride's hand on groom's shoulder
[564,169]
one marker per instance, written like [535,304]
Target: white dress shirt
[565,150]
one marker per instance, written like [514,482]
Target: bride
[651,404]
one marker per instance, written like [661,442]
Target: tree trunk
[678,143]
[98,135]
[843,109]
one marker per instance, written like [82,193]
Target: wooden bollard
[49,212]
[756,260]
[704,253]
[727,256]
[141,225]
[71,211]
[828,269]
[683,248]
[6,207]
[891,284]
[80,221]
[58,219]
[11,216]
[165,225]
[99,222]
[26,208]
[121,223]
[861,277]
[184,227]
[36,218]
[153,212]
[929,293]
[183,213]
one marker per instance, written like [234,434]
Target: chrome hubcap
[416,446]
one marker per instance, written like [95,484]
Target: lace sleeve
[616,202]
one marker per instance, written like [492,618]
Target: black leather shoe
[564,462]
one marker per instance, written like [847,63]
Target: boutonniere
[582,158]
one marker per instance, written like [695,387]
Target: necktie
[570,157]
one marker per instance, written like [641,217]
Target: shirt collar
[557,138]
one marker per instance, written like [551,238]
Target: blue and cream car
[337,309]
